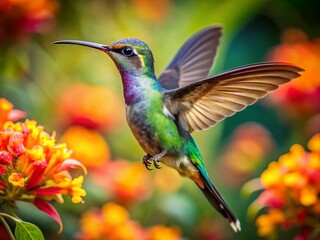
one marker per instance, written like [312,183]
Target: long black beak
[98,46]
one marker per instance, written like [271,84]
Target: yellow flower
[16,180]
[314,143]
[291,190]
[271,176]
[294,179]
[114,214]
[73,187]
[309,196]
[265,226]
[267,222]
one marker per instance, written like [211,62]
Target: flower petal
[48,190]
[15,115]
[48,209]
[71,164]
[38,170]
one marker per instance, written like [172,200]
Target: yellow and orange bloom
[127,181]
[110,222]
[300,96]
[291,190]
[88,146]
[94,107]
[33,168]
[113,222]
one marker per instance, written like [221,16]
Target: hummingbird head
[130,55]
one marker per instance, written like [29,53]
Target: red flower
[18,19]
[300,95]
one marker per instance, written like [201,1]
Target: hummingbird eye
[127,51]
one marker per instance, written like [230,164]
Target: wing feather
[204,103]
[194,59]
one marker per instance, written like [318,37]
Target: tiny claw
[146,161]
[148,168]
[155,159]
[156,164]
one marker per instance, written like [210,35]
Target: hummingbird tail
[217,202]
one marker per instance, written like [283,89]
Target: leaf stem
[5,224]
[9,216]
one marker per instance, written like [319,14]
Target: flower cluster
[18,19]
[35,169]
[301,94]
[291,191]
[113,222]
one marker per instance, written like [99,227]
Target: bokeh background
[77,93]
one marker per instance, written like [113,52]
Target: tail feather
[217,202]
[204,183]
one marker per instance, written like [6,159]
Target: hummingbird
[163,111]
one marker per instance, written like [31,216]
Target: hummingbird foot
[155,159]
[146,161]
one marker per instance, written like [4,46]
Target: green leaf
[27,231]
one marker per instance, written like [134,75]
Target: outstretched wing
[194,59]
[202,104]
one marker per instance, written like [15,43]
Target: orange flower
[113,222]
[7,113]
[90,106]
[20,18]
[291,190]
[127,181]
[34,168]
[152,10]
[88,146]
[249,145]
[160,232]
[301,94]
